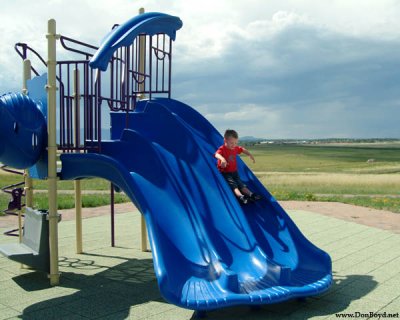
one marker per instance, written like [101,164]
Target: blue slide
[209,252]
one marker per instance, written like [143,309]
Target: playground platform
[119,282]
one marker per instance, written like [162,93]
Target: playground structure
[209,252]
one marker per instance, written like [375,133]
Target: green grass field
[326,158]
[337,172]
[330,172]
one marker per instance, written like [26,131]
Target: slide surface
[209,251]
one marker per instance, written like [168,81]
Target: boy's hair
[229,133]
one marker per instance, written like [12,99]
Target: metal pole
[26,75]
[77,183]
[112,216]
[28,180]
[20,222]
[52,150]
[142,53]
[142,56]
[19,225]
[78,216]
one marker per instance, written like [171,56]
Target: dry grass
[333,183]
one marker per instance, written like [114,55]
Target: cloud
[246,113]
[321,82]
[283,69]
[247,119]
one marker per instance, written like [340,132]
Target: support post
[52,150]
[142,57]
[78,216]
[19,225]
[142,54]
[20,231]
[143,230]
[28,180]
[77,183]
[112,215]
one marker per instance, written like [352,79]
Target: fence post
[52,150]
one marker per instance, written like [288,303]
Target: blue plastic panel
[23,131]
[37,91]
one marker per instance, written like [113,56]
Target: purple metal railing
[80,108]
[16,191]
[23,49]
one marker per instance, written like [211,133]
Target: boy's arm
[247,152]
[219,156]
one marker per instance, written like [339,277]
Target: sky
[271,69]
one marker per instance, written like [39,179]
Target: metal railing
[25,51]
[140,70]
[15,205]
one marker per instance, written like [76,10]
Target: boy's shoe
[255,197]
[243,199]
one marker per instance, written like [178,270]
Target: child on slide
[227,165]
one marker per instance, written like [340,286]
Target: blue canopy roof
[149,23]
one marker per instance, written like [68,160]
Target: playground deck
[119,283]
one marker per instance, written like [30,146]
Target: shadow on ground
[106,293]
[337,299]
[111,294]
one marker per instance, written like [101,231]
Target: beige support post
[26,75]
[143,230]
[78,216]
[28,180]
[20,226]
[77,183]
[142,53]
[52,150]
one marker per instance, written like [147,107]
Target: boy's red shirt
[230,157]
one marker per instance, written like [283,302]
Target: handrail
[64,40]
[4,189]
[17,193]
[5,168]
[24,55]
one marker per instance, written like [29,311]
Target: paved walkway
[119,283]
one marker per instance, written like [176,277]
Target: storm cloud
[299,81]
[276,69]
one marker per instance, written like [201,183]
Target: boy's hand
[252,158]
[224,163]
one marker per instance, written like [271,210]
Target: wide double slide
[208,250]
